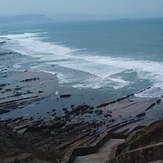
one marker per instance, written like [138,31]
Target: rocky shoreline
[31,107]
[56,136]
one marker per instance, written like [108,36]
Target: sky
[99,8]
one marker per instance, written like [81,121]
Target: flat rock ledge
[83,125]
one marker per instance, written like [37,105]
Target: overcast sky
[110,8]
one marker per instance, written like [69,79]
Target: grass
[151,134]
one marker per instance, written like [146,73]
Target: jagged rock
[65,110]
[47,131]
[22,126]
[150,106]
[58,118]
[90,111]
[8,90]
[2,42]
[5,53]
[158,101]
[112,120]
[98,112]
[140,115]
[65,96]
[3,85]
[102,105]
[79,109]
[29,80]
[107,115]
[2,111]
[17,89]
[91,107]
[72,106]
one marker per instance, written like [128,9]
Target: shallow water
[102,59]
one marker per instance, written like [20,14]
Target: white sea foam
[17,66]
[100,69]
[31,44]
[152,92]
[104,67]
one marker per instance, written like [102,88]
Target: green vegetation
[151,134]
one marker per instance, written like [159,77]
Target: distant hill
[28,18]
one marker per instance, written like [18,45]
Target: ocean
[101,60]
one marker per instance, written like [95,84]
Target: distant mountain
[28,18]
[73,17]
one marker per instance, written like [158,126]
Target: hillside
[151,134]
[28,18]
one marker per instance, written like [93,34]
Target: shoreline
[33,105]
[60,136]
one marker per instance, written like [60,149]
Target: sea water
[98,59]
